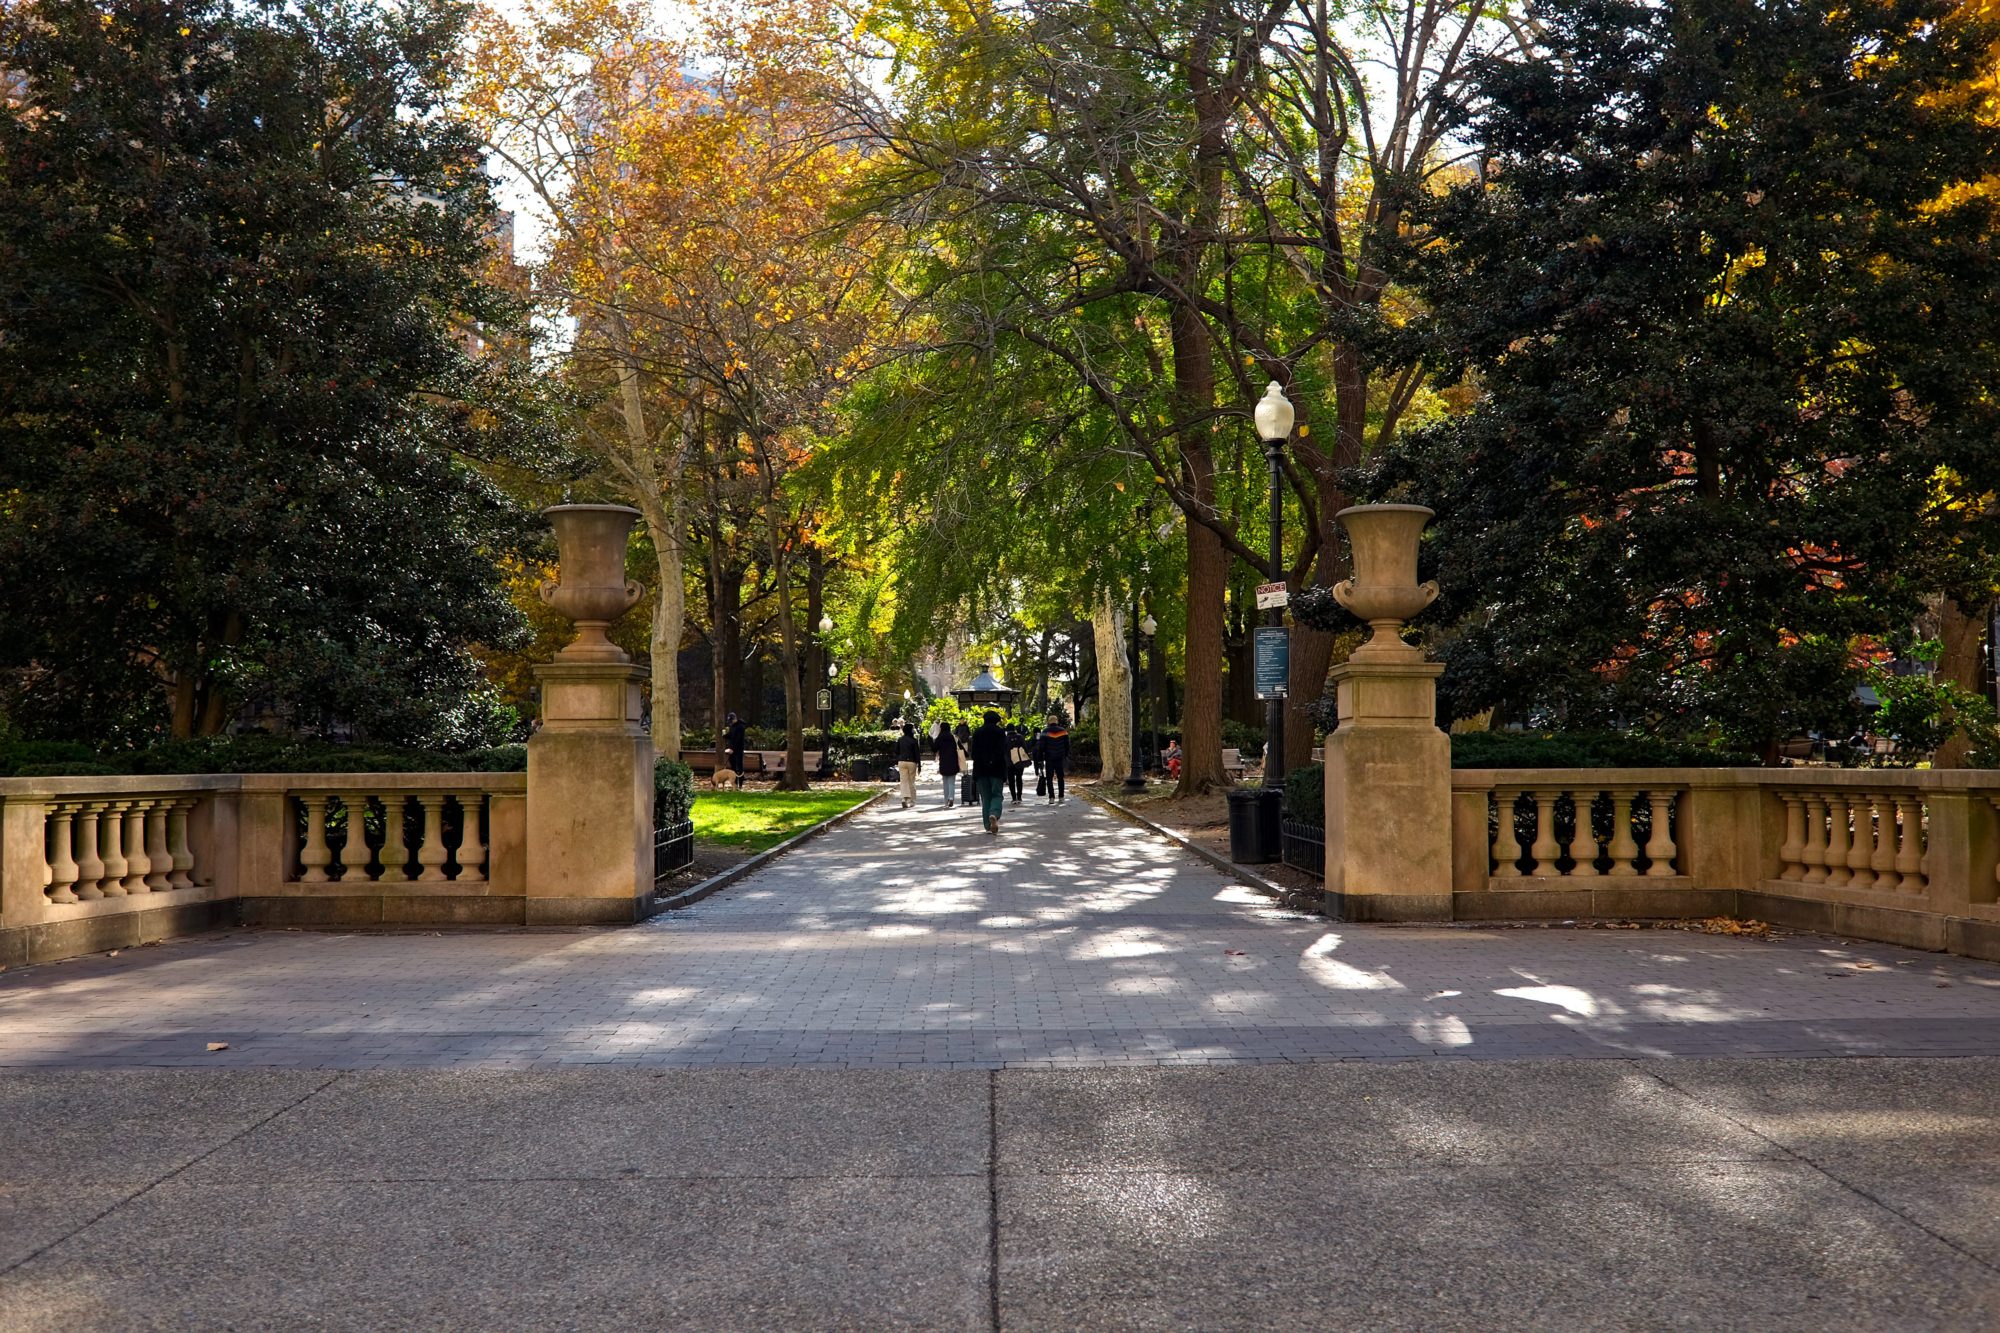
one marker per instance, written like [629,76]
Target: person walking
[967,792]
[1055,760]
[992,757]
[1017,760]
[732,745]
[947,761]
[909,758]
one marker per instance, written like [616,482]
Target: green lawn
[751,821]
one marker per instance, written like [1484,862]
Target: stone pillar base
[590,798]
[1388,796]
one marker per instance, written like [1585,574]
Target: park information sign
[1274,661]
[825,701]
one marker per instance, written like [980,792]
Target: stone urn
[590,587]
[1384,590]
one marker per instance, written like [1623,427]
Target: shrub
[673,792]
[1583,749]
[1247,739]
[1305,794]
[254,753]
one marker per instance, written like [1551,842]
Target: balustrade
[1603,826]
[1854,839]
[117,847]
[438,832]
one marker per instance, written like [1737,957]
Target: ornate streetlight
[1135,781]
[1274,418]
[1149,627]
[827,714]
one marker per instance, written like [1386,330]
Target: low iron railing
[1303,846]
[673,848]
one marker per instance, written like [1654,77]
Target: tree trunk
[725,606]
[1962,631]
[1114,690]
[657,492]
[788,630]
[669,617]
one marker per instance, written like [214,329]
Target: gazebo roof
[983,689]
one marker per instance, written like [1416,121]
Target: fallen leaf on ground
[1729,925]
[1234,953]
[218,1046]
[112,954]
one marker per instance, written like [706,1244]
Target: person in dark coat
[947,762]
[909,758]
[1017,760]
[732,745]
[992,759]
[1055,759]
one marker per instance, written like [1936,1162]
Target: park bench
[703,763]
[1232,762]
[774,763]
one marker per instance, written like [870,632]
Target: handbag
[1041,784]
[966,791]
[1018,758]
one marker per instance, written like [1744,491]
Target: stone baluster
[1837,873]
[1624,849]
[1791,866]
[1545,849]
[314,855]
[1910,847]
[355,854]
[1861,852]
[1660,849]
[1882,865]
[137,863]
[180,856]
[159,861]
[1814,855]
[431,851]
[395,852]
[1506,850]
[61,860]
[89,860]
[1583,842]
[471,846]
[110,846]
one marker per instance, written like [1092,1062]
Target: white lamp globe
[1274,414]
[826,624]
[1147,626]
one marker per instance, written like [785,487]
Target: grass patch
[753,821]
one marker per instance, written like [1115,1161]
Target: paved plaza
[911,939]
[914,1077]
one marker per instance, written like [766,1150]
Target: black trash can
[1254,830]
[860,770]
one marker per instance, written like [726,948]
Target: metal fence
[673,848]
[1304,846]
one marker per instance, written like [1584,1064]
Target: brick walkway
[912,939]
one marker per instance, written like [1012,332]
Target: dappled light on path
[913,938]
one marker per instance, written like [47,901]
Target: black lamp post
[1148,627]
[1274,418]
[1135,780]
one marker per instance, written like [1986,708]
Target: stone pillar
[1388,796]
[1388,767]
[590,766]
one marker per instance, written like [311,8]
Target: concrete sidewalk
[913,940]
[1759,1195]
